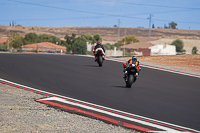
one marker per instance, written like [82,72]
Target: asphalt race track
[160,95]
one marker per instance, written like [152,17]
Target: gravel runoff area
[19,112]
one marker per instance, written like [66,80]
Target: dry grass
[109,33]
[188,43]
[188,63]
[185,62]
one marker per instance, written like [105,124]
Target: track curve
[157,94]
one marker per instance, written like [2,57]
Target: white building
[114,53]
[89,46]
[108,53]
[163,49]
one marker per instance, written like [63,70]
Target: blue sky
[101,13]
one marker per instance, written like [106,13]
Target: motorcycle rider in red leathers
[98,46]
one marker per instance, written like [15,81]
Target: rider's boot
[95,58]
[125,73]
[103,57]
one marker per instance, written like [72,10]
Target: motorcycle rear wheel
[100,61]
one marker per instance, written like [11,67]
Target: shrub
[179,45]
[194,50]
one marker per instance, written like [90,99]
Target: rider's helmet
[98,43]
[134,58]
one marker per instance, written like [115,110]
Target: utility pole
[124,42]
[149,28]
[118,29]
[8,33]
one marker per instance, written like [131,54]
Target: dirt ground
[188,43]
[182,62]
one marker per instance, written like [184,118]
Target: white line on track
[102,111]
[118,115]
[110,113]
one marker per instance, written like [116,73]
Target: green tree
[108,46]
[194,50]
[79,46]
[3,46]
[126,40]
[172,25]
[70,39]
[64,43]
[30,38]
[45,38]
[130,39]
[49,38]
[88,37]
[92,38]
[115,25]
[97,37]
[179,45]
[15,40]
[119,44]
[153,26]
[56,40]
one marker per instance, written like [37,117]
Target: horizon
[102,13]
[94,27]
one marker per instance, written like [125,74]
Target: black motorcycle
[130,76]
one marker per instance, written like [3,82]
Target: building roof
[2,40]
[47,45]
[137,45]
[157,46]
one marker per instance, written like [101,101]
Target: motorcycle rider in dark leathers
[129,62]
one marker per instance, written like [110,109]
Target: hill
[110,34]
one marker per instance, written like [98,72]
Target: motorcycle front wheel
[130,81]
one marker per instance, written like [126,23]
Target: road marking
[108,119]
[120,115]
[105,110]
[168,127]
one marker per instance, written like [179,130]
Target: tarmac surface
[159,95]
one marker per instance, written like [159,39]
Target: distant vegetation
[75,44]
[194,50]
[92,38]
[108,46]
[3,47]
[171,25]
[179,45]
[124,41]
